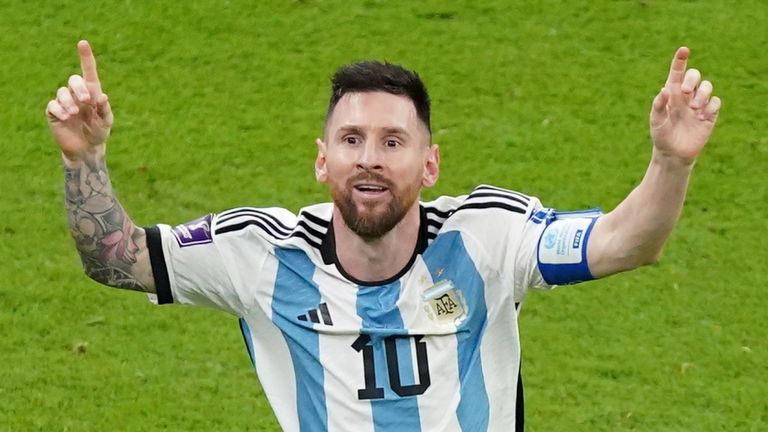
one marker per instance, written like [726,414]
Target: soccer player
[377,311]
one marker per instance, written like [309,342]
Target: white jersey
[434,348]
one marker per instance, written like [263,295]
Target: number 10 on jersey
[370,391]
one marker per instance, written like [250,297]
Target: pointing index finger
[88,65]
[679,63]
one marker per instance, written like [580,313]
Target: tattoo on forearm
[103,232]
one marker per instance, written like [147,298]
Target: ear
[431,166]
[321,173]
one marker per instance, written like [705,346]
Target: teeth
[367,188]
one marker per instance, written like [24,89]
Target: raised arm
[681,121]
[113,250]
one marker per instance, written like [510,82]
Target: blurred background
[217,104]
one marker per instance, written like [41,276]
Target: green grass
[217,105]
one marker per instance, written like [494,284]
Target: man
[378,311]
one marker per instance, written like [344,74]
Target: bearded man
[378,311]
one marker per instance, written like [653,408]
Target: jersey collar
[328,253]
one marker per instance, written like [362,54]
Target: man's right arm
[112,248]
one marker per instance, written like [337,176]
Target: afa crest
[445,303]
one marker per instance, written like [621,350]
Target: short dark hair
[372,76]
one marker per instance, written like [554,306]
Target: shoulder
[490,223]
[489,215]
[492,197]
[275,225]
[483,202]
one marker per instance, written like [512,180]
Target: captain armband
[562,248]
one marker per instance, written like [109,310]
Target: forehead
[374,110]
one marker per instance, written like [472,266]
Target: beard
[370,223]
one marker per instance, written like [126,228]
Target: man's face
[376,158]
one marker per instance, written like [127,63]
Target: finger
[711,110]
[88,65]
[78,88]
[690,81]
[104,110]
[65,99]
[660,101]
[55,112]
[702,95]
[679,63]
[659,112]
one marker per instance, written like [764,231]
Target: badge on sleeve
[195,232]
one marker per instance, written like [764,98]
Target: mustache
[370,176]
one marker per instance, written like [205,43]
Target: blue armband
[562,249]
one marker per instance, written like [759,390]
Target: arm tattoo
[106,238]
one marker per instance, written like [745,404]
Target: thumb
[659,107]
[104,110]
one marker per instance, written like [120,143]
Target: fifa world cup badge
[445,303]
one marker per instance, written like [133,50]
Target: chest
[443,292]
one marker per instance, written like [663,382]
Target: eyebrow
[391,130]
[351,129]
[396,131]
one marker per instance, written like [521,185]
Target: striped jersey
[433,348]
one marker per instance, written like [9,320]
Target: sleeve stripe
[440,214]
[486,205]
[497,195]
[251,212]
[505,191]
[159,269]
[313,237]
[272,229]
[314,219]
[434,223]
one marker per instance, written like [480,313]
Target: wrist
[670,161]
[94,152]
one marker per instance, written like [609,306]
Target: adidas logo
[312,315]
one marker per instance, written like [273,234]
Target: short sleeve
[188,266]
[553,247]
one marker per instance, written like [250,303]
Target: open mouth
[370,188]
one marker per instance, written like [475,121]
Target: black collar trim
[328,253]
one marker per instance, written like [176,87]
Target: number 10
[370,391]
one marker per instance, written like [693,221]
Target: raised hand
[80,117]
[684,112]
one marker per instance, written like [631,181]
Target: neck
[377,259]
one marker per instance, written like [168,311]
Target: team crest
[445,303]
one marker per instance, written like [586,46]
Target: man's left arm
[682,117]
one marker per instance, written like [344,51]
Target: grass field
[217,105]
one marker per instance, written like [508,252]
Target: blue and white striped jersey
[434,348]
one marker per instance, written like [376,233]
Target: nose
[369,157]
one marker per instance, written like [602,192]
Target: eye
[392,143]
[351,139]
